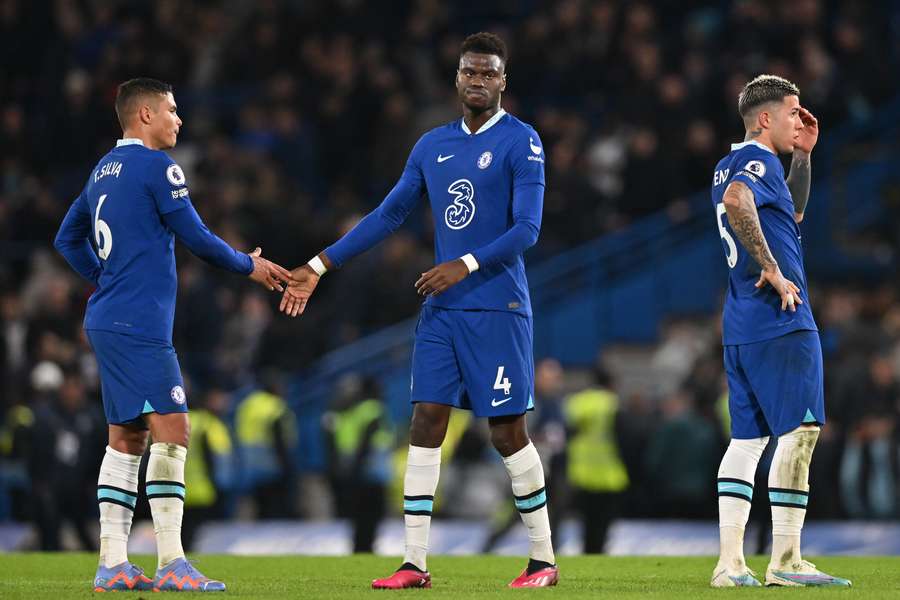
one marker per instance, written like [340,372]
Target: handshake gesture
[304,279]
[268,274]
[297,285]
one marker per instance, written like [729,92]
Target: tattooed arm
[744,220]
[798,182]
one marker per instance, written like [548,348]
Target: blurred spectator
[266,432]
[596,473]
[363,441]
[68,441]
[869,470]
[682,460]
[209,472]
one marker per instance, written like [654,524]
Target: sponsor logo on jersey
[442,158]
[756,167]
[484,161]
[175,175]
[536,156]
[177,395]
[461,210]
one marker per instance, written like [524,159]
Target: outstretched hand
[789,292]
[300,288]
[268,274]
[439,278]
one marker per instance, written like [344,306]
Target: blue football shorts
[776,385]
[137,376]
[479,360]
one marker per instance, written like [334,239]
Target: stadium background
[298,119]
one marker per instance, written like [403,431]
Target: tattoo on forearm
[744,220]
[798,181]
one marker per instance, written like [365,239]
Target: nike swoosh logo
[495,403]
[443,158]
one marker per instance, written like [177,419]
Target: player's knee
[129,442]
[173,428]
[753,447]
[508,440]
[426,429]
[805,435]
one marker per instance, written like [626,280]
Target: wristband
[317,265]
[471,263]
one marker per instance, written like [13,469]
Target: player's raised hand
[438,279]
[299,289]
[268,274]
[789,292]
[809,135]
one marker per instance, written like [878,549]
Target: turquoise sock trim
[788,498]
[418,505]
[157,488]
[114,495]
[736,488]
[532,502]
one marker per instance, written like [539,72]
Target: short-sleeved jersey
[750,314]
[125,197]
[470,180]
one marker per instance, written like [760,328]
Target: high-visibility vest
[595,464]
[18,416]
[254,420]
[200,489]
[350,426]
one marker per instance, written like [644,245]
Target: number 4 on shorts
[502,383]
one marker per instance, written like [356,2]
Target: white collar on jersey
[751,143]
[488,124]
[129,142]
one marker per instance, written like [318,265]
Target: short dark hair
[133,89]
[484,42]
[763,89]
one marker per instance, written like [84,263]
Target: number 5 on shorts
[502,383]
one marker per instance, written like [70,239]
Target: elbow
[798,217]
[59,242]
[531,235]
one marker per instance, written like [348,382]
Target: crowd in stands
[298,119]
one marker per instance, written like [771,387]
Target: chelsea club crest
[484,160]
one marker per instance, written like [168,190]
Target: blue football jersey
[125,197]
[750,314]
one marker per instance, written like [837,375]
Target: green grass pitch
[69,575]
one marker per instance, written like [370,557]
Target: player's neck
[475,121]
[760,138]
[131,134]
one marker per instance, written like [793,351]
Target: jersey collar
[488,124]
[750,143]
[129,142]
